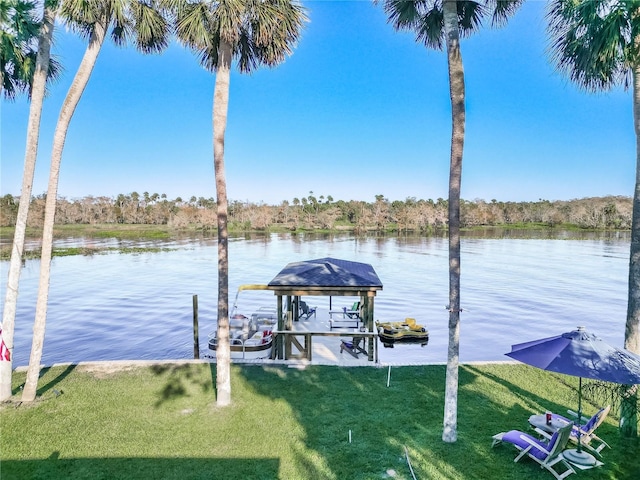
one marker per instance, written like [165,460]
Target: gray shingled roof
[327,272]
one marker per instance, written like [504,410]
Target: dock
[318,340]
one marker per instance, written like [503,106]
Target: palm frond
[276,27]
[503,10]
[208,57]
[19,33]
[430,30]
[117,15]
[142,22]
[260,32]
[247,54]
[405,14]
[150,26]
[229,17]
[470,16]
[80,15]
[194,26]
[594,42]
[426,19]
[18,17]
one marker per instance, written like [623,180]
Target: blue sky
[358,110]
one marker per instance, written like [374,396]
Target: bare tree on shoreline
[408,216]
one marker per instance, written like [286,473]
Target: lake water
[139,306]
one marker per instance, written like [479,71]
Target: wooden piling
[196,340]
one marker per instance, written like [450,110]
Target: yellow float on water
[407,331]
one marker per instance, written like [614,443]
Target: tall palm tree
[38,89]
[596,43]
[253,33]
[145,23]
[438,22]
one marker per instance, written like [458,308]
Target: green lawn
[161,422]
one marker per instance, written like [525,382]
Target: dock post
[196,340]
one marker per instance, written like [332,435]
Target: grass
[5,253]
[161,421]
[124,231]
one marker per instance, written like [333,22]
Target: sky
[358,110]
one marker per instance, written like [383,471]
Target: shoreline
[106,366]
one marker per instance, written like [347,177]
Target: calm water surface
[139,306]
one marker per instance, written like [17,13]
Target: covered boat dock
[328,277]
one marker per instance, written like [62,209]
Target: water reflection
[514,288]
[545,234]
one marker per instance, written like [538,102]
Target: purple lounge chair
[548,453]
[588,438]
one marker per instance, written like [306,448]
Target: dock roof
[326,276]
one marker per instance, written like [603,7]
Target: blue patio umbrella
[580,354]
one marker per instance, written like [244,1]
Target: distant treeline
[311,213]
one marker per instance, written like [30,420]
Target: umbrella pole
[577,456]
[579,415]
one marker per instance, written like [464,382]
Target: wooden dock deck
[319,340]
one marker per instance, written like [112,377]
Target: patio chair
[349,347]
[548,453]
[588,438]
[354,312]
[353,346]
[305,311]
[345,318]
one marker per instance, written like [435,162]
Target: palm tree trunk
[66,113]
[31,153]
[456,88]
[220,109]
[628,406]
[632,329]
